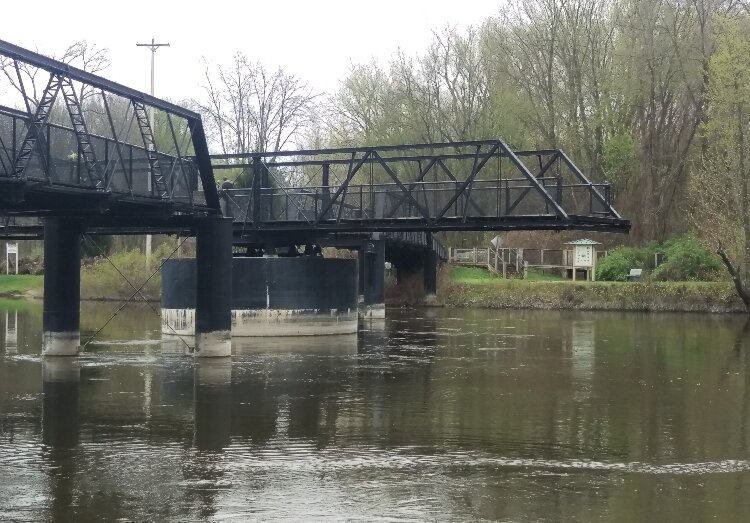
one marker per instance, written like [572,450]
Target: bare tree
[29,80]
[249,108]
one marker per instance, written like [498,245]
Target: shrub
[687,258]
[100,280]
[616,266]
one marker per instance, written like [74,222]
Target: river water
[432,414]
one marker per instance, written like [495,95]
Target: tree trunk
[736,278]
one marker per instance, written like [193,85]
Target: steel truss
[471,185]
[117,168]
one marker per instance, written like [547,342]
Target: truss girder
[94,149]
[468,196]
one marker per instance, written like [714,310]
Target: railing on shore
[519,260]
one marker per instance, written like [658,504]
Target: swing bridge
[80,154]
[125,162]
[480,185]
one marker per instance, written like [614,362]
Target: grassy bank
[12,285]
[467,287]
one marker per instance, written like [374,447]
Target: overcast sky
[316,40]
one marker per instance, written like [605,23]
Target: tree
[721,190]
[25,78]
[249,108]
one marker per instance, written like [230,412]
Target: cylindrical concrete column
[62,287]
[213,289]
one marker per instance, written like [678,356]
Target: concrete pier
[62,287]
[300,296]
[213,288]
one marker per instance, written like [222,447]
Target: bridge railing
[69,132]
[431,201]
[64,166]
[482,184]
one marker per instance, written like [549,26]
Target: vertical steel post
[430,263]
[61,315]
[213,291]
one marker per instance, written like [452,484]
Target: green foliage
[617,265]
[687,259]
[647,296]
[101,281]
[618,158]
[471,275]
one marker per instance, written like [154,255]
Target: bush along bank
[716,297]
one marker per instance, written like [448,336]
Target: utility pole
[153,46]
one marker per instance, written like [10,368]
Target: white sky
[317,40]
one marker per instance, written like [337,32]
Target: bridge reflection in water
[438,413]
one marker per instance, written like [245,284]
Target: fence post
[475,255]
[541,257]
[525,269]
[505,266]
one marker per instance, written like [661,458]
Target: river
[432,414]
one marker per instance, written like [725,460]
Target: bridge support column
[374,279]
[62,287]
[213,290]
[430,264]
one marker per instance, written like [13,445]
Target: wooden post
[475,255]
[525,269]
[496,261]
[541,257]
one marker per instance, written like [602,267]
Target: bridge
[82,154]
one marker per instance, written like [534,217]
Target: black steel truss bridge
[124,162]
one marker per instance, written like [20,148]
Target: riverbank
[464,288]
[21,285]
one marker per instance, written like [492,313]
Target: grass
[12,284]
[543,276]
[474,287]
[476,275]
[472,275]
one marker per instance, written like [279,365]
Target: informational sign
[583,256]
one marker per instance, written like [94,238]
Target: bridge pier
[61,316]
[213,288]
[372,256]
[430,267]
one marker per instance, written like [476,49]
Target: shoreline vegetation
[470,288]
[477,288]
